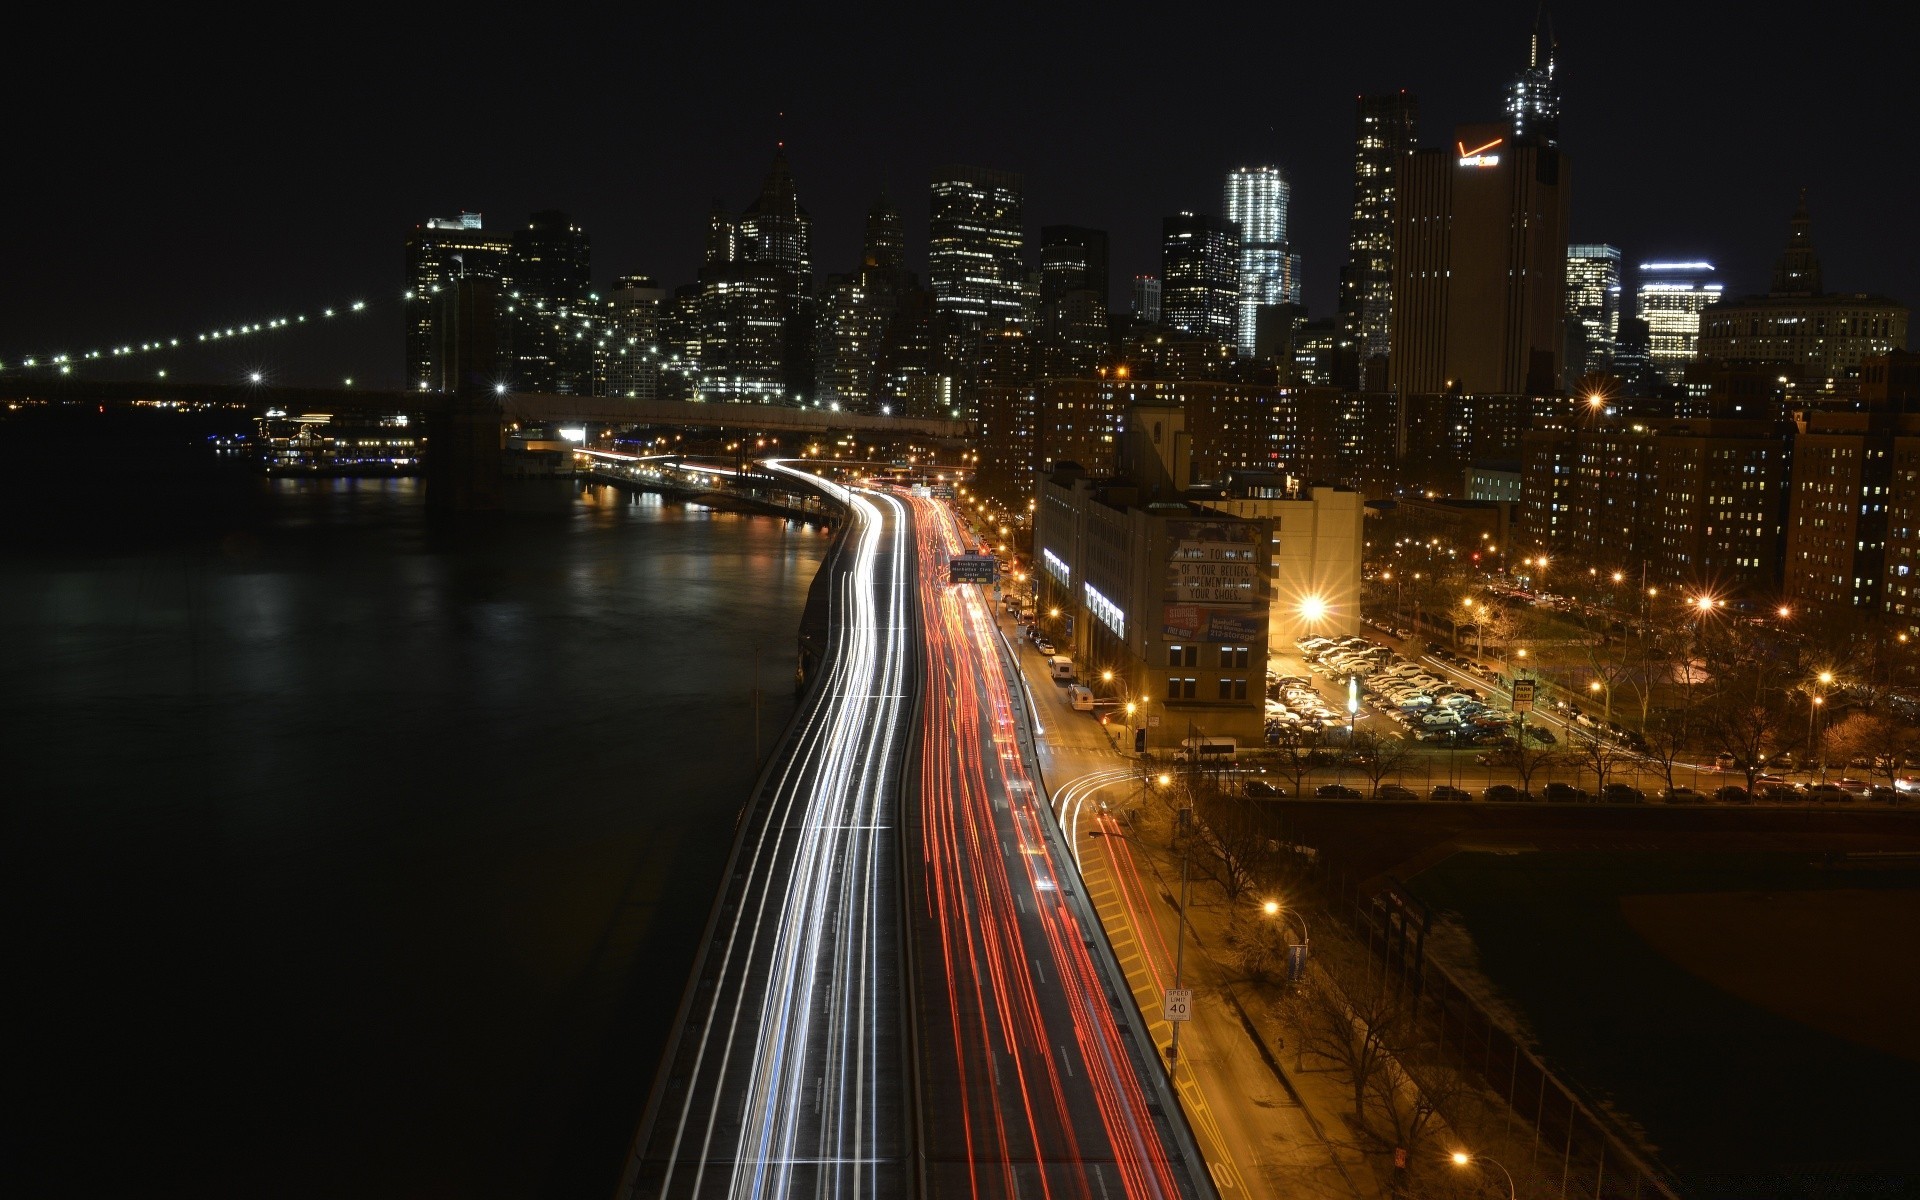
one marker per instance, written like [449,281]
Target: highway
[786,1074]
[1038,1078]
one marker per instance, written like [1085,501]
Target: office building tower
[1200,276]
[1256,201]
[1480,267]
[757,309]
[441,251]
[861,332]
[1146,298]
[1073,299]
[1383,137]
[975,254]
[1827,336]
[1670,299]
[1533,98]
[553,314]
[1593,308]
[633,353]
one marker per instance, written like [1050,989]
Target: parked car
[1682,795]
[1880,793]
[1778,793]
[1723,761]
[1826,793]
[1621,793]
[1501,793]
[1541,733]
[1566,793]
[1336,791]
[1393,791]
[1044,646]
[1451,794]
[1857,786]
[1732,794]
[1261,790]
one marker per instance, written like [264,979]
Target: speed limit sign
[1179,1004]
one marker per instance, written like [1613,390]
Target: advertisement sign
[1213,562]
[1296,963]
[1201,623]
[1523,695]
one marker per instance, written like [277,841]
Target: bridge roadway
[787,1072]
[528,407]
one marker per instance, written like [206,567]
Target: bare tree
[1530,756]
[1234,848]
[1745,709]
[1294,758]
[1665,734]
[1594,749]
[1257,945]
[1377,756]
[1354,1036]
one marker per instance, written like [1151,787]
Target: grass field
[1753,1012]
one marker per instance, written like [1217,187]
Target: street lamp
[1462,1159]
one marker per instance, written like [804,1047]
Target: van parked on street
[1081,697]
[1060,666]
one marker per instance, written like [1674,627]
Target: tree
[1593,748]
[1294,758]
[1257,945]
[1377,756]
[1665,732]
[1234,849]
[1354,1035]
[1745,707]
[1884,740]
[1531,756]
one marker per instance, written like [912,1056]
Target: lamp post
[1461,1158]
[1180,929]
[1606,693]
[1819,705]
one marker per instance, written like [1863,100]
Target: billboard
[1213,562]
[1201,623]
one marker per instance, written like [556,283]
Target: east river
[348,851]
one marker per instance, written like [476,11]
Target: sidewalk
[1266,1130]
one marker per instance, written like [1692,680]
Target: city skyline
[641,177]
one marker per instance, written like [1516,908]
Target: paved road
[1257,1138]
[786,1073]
[1036,1081]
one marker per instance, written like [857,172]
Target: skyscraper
[861,335]
[1073,299]
[553,312]
[1593,308]
[1383,136]
[976,245]
[1828,335]
[756,303]
[1480,267]
[1146,298]
[1670,299]
[633,353]
[440,251]
[1533,99]
[1256,201]
[1200,276]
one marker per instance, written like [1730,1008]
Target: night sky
[170,173]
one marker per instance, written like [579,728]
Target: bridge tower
[464,439]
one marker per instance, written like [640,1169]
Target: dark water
[351,853]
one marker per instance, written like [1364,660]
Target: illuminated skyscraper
[756,301]
[1593,308]
[632,353]
[1383,135]
[1533,99]
[1256,201]
[440,251]
[974,256]
[1200,276]
[1670,298]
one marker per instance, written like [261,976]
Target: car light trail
[1047,1097]
[791,1078]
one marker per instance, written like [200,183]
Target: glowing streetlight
[1271,908]
[1461,1158]
[1313,608]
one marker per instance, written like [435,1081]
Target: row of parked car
[1295,706]
[1429,707]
